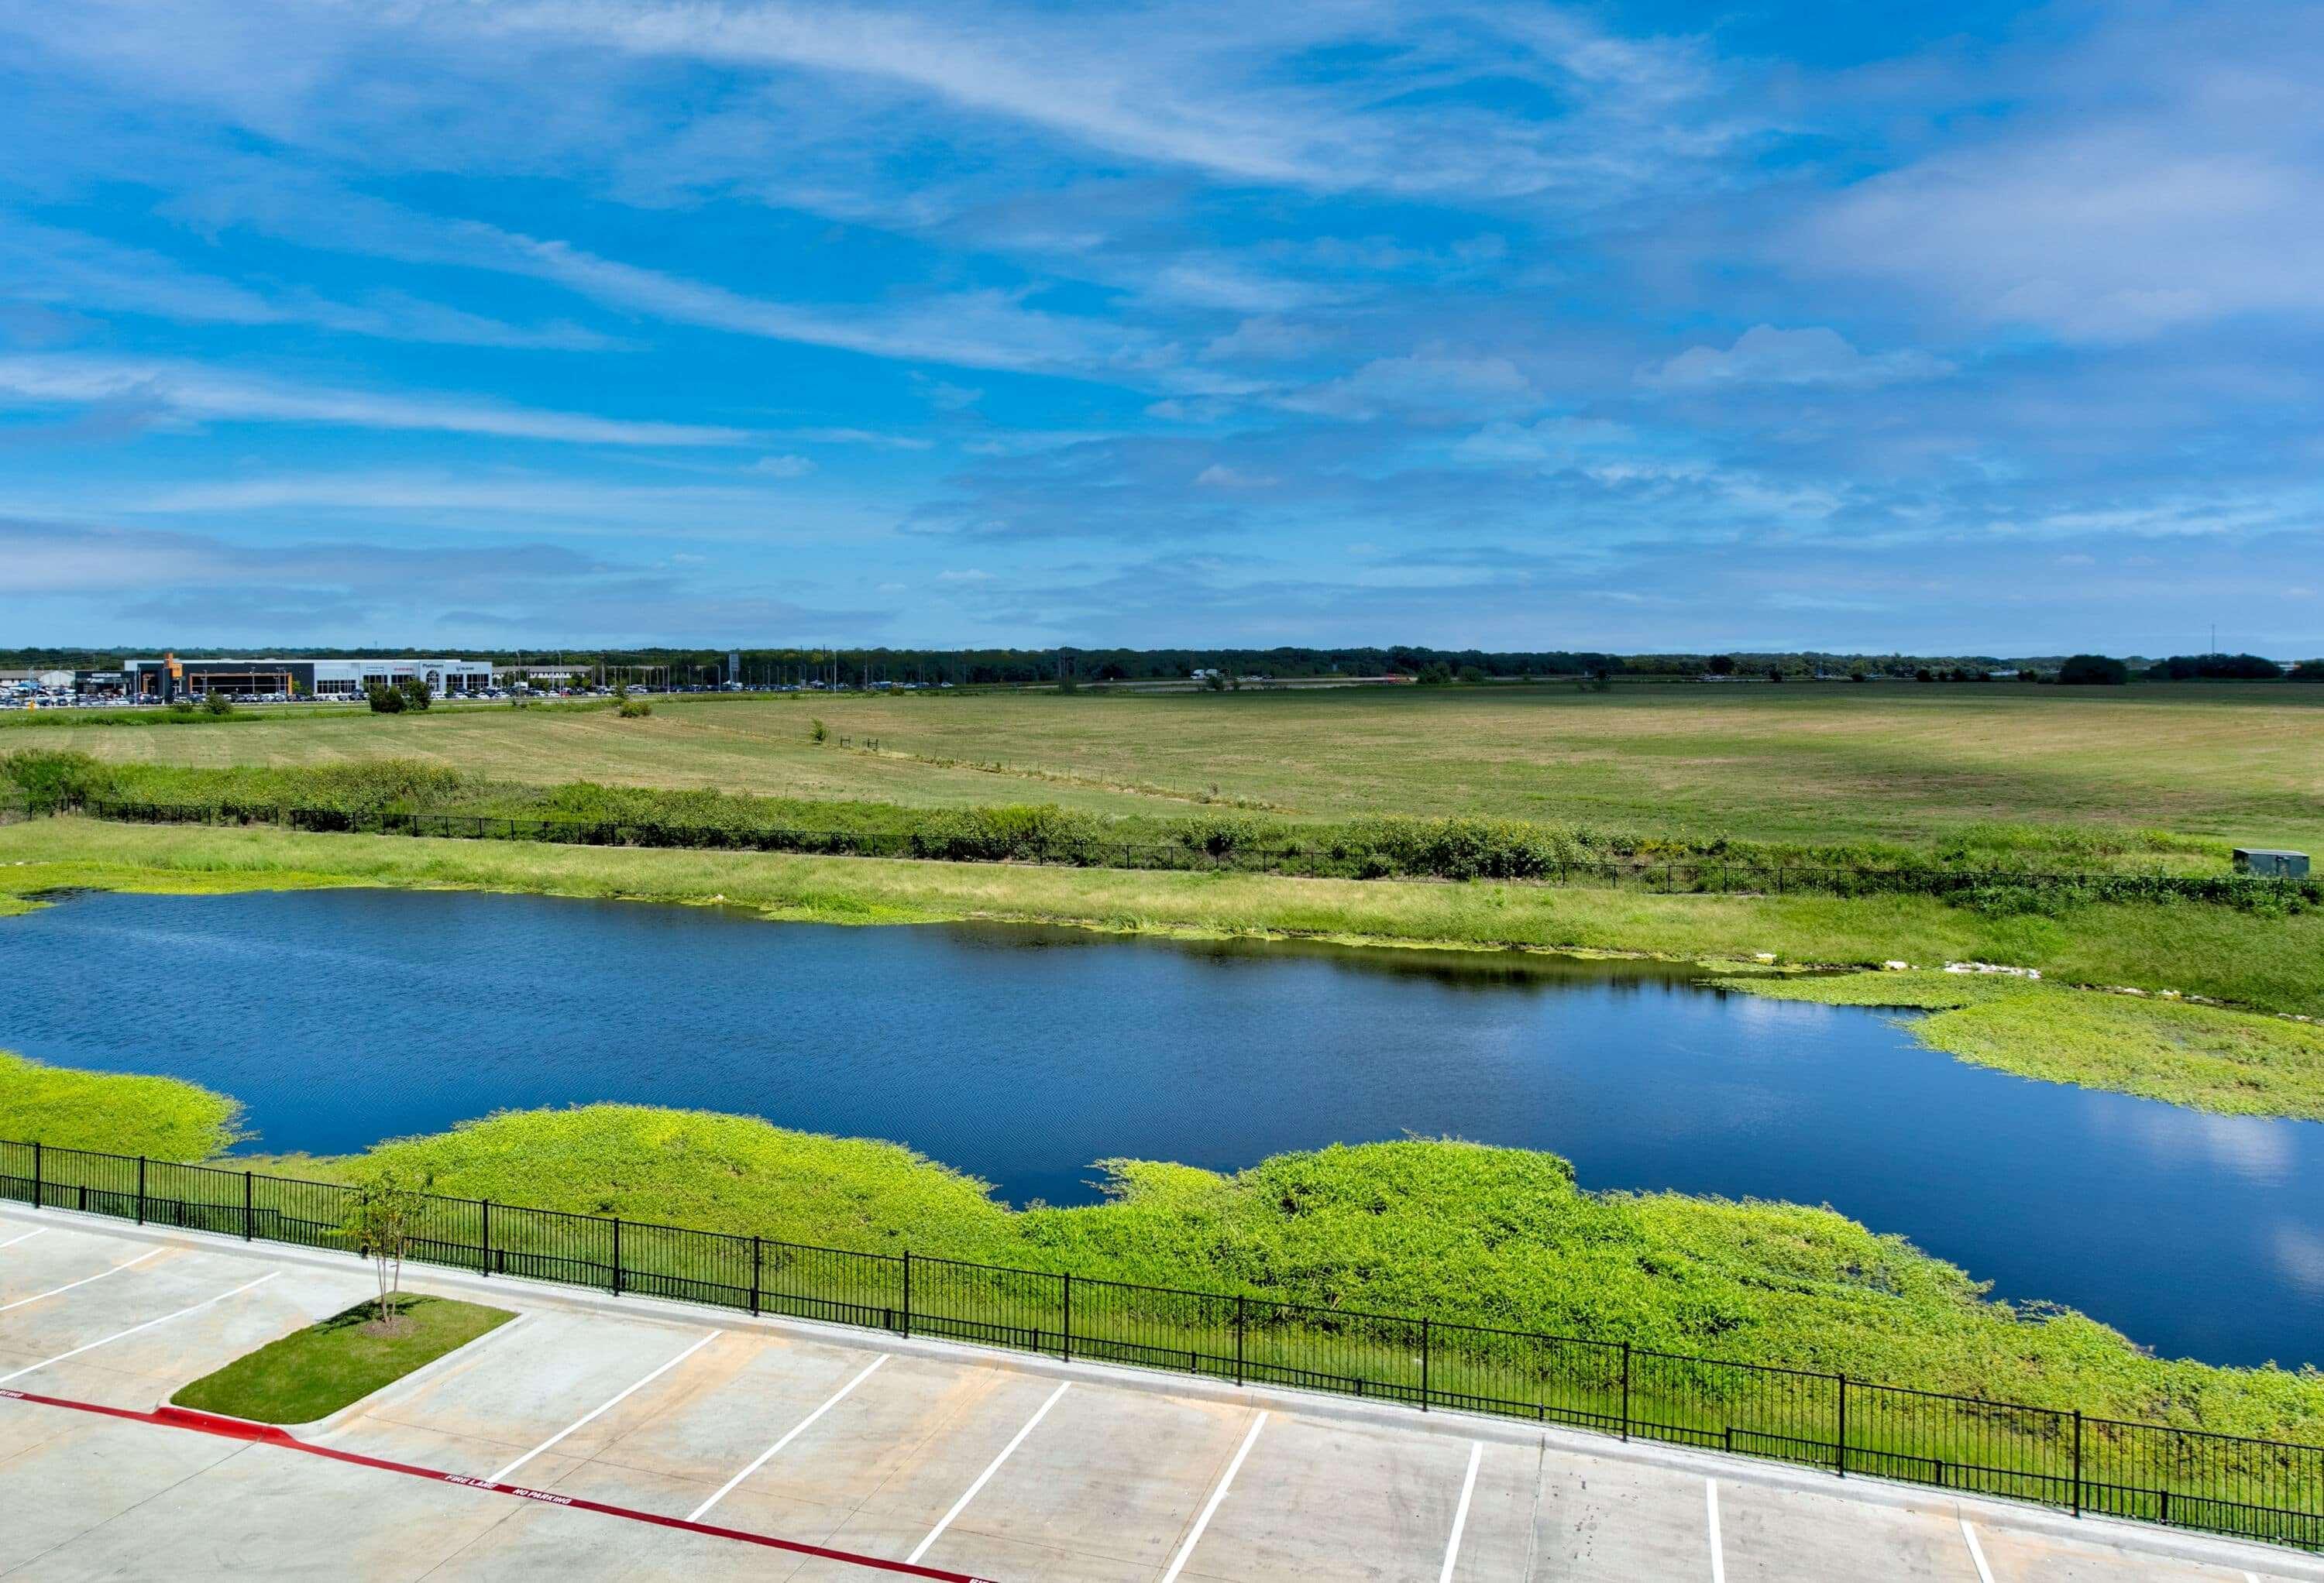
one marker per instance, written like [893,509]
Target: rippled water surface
[340,1016]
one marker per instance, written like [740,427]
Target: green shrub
[53,778]
[2093,670]
[217,702]
[385,700]
[635,708]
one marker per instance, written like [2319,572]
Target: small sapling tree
[382,1220]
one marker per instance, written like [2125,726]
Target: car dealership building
[170,677]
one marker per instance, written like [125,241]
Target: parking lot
[888,1453]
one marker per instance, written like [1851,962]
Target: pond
[1023,1054]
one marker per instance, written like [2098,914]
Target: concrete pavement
[989,1464]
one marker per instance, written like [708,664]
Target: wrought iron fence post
[246,1215]
[141,1190]
[39,1195]
[1625,1390]
[1065,1335]
[617,1256]
[1843,1426]
[484,1241]
[2078,1461]
[907,1291]
[1423,1365]
[755,1255]
[1238,1330]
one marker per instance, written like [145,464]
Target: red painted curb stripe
[236,1429]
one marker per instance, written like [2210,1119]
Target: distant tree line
[772,666]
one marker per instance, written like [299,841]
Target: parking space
[905,1453]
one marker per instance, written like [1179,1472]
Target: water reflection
[1022,1056]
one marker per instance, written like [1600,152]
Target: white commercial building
[171,678]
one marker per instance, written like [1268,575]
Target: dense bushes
[2214,667]
[2093,670]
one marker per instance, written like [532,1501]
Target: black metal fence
[1322,858]
[2254,1490]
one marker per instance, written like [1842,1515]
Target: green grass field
[2219,764]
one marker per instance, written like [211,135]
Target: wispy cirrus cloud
[1497,293]
[189,392]
[45,264]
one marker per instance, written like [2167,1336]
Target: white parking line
[133,1330]
[605,1407]
[27,1236]
[1460,1512]
[798,1429]
[84,1281]
[1719,1555]
[1976,1551]
[961,1504]
[1195,1535]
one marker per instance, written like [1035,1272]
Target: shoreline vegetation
[1458,1231]
[2246,1058]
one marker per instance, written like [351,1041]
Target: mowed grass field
[1891,761]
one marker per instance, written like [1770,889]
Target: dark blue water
[1022,1056]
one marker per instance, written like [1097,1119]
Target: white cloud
[1765,356]
[1218,476]
[783,466]
[41,263]
[2165,171]
[197,392]
[1552,440]
[850,436]
[1427,382]
[1266,340]
[946,396]
[968,575]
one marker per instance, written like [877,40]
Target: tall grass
[1998,870]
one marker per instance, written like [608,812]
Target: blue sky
[1967,329]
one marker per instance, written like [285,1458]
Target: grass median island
[313,1372]
[2211,1058]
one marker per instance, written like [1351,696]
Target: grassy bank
[2208,1057]
[311,1373]
[2274,963]
[1499,1236]
[111,1112]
